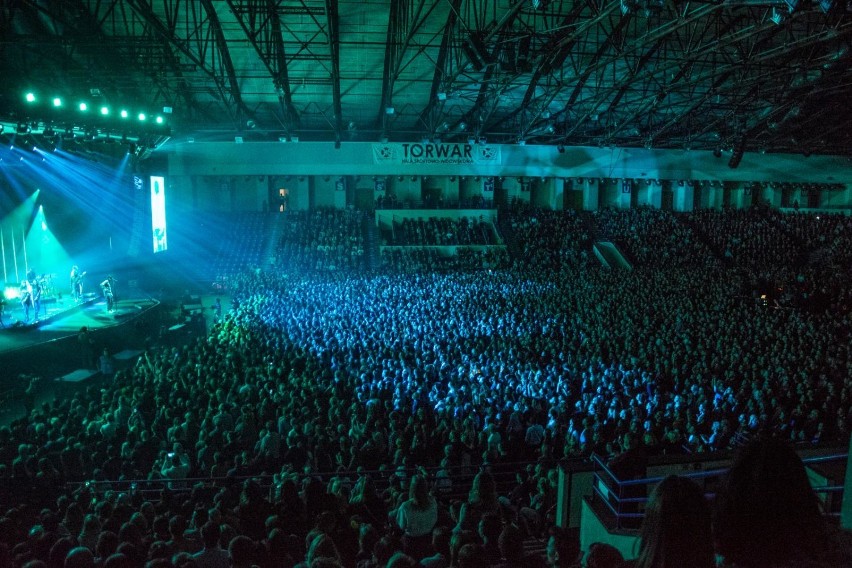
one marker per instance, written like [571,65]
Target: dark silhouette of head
[676,530]
[767,514]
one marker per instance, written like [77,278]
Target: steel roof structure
[736,75]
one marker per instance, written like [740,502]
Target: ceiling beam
[225,54]
[441,64]
[196,46]
[261,23]
[334,47]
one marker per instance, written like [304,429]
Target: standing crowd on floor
[362,400]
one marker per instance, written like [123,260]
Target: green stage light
[142,116]
[30,97]
[57,102]
[84,107]
[104,111]
[159,120]
[123,114]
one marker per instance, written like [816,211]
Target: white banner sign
[452,154]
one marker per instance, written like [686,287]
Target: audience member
[676,529]
[767,515]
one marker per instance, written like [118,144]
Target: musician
[77,283]
[27,300]
[38,290]
[107,287]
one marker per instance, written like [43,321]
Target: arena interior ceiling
[732,75]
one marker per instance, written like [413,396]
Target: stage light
[84,107]
[30,97]
[123,114]
[142,117]
[57,102]
[159,120]
[23,128]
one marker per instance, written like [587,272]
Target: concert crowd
[400,383]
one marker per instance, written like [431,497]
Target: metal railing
[626,499]
[453,485]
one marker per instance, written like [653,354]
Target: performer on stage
[38,289]
[27,300]
[107,288]
[77,283]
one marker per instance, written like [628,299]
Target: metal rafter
[334,47]
[441,65]
[260,20]
[202,43]
[407,17]
[489,90]
[690,72]
[114,25]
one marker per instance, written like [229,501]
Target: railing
[470,203]
[455,486]
[622,497]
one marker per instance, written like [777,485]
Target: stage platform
[63,318]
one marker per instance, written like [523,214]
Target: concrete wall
[358,158]
[254,193]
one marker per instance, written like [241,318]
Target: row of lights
[104,111]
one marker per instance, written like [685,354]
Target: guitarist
[27,298]
[77,283]
[37,288]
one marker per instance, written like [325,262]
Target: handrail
[614,500]
[463,474]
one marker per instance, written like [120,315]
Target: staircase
[609,255]
[372,259]
[270,247]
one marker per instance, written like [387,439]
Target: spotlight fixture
[23,128]
[30,97]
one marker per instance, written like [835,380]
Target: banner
[428,153]
[627,186]
[488,186]
[379,186]
[340,184]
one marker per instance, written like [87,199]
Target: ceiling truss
[752,74]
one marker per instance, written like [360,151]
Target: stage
[50,348]
[64,317]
